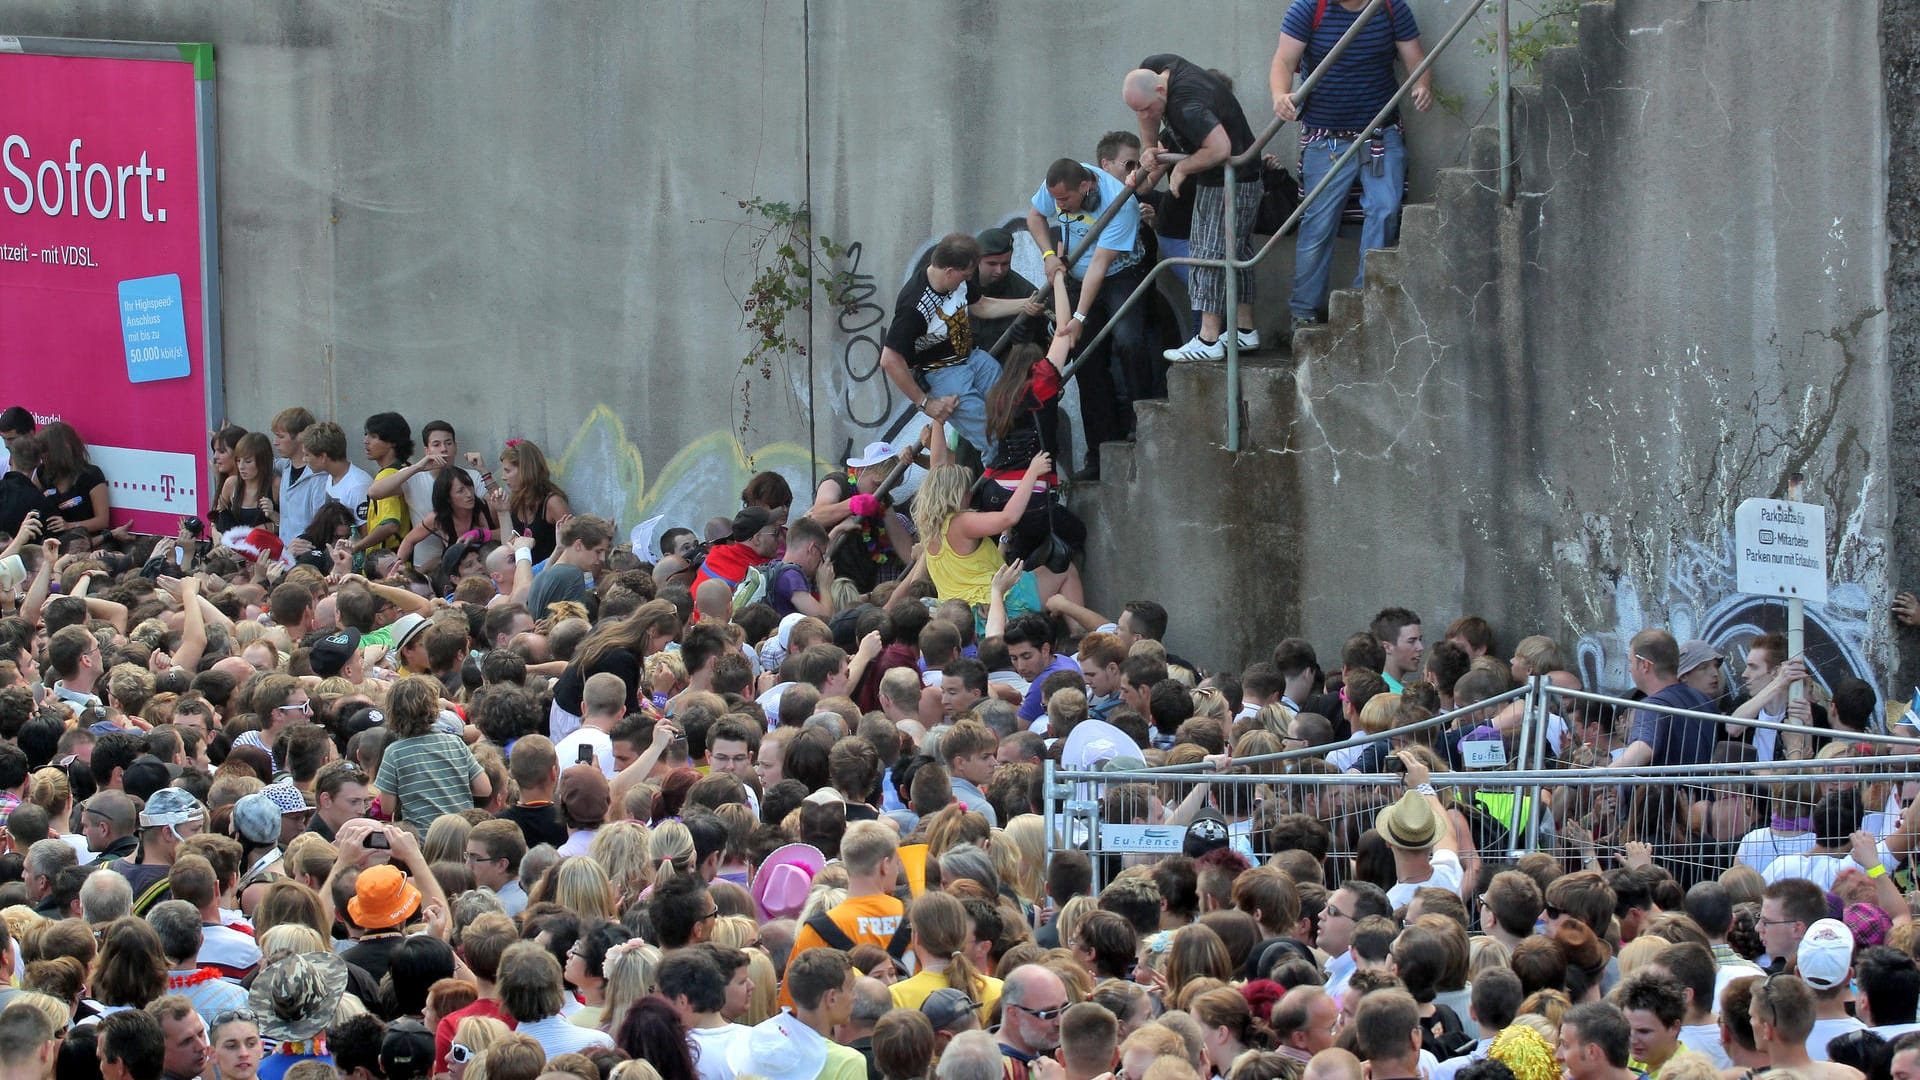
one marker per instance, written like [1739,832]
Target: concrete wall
[522,216]
[1900,60]
[1547,414]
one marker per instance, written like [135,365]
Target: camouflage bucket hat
[294,996]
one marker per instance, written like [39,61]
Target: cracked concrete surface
[1547,413]
[1899,379]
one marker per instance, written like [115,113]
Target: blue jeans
[1379,195]
[969,381]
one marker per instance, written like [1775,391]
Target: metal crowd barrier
[1537,792]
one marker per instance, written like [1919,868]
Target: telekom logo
[167,486]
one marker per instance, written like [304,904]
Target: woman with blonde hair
[471,1038]
[958,542]
[446,839]
[1275,719]
[941,933]
[631,969]
[734,931]
[1640,952]
[1209,704]
[581,886]
[1028,836]
[1485,954]
[670,850]
[1072,914]
[620,847]
[765,1000]
[1004,858]
[821,899]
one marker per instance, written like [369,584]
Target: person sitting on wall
[931,341]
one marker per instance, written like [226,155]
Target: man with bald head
[1184,108]
[871,1000]
[1032,1000]
[108,821]
[1304,1020]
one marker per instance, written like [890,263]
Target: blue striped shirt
[1362,80]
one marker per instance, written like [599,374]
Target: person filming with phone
[394,891]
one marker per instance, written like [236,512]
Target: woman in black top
[458,515]
[621,648]
[1022,420]
[247,499]
[532,502]
[20,493]
[77,487]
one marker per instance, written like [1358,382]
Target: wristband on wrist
[524,555]
[1048,254]
[1877,870]
[1427,789]
[1080,316]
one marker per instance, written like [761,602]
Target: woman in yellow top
[959,545]
[941,934]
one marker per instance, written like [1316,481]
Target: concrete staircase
[1250,546]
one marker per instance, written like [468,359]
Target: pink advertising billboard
[109,281]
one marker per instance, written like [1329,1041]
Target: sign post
[1780,550]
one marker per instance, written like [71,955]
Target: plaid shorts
[1208,240]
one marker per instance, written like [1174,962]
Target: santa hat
[256,544]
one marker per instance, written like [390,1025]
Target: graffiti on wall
[1845,636]
[868,408]
[604,473]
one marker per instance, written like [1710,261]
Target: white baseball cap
[874,454]
[1826,954]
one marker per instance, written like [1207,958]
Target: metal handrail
[1144,180]
[1227,264]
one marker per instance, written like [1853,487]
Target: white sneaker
[1249,340]
[1197,349]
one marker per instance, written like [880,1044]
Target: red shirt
[729,564]
[443,1035]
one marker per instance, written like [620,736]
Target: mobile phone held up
[379,840]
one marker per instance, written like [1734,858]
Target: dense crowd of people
[457,787]
[410,771]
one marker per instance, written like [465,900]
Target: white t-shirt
[567,750]
[350,490]
[710,1047]
[1825,1031]
[1704,1039]
[1819,869]
[1760,847]
[1446,875]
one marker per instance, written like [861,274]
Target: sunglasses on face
[1043,1014]
[459,1054]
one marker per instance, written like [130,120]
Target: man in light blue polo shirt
[1063,211]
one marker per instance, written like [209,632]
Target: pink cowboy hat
[780,888]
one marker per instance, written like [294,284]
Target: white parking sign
[1780,549]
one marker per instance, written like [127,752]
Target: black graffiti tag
[859,320]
